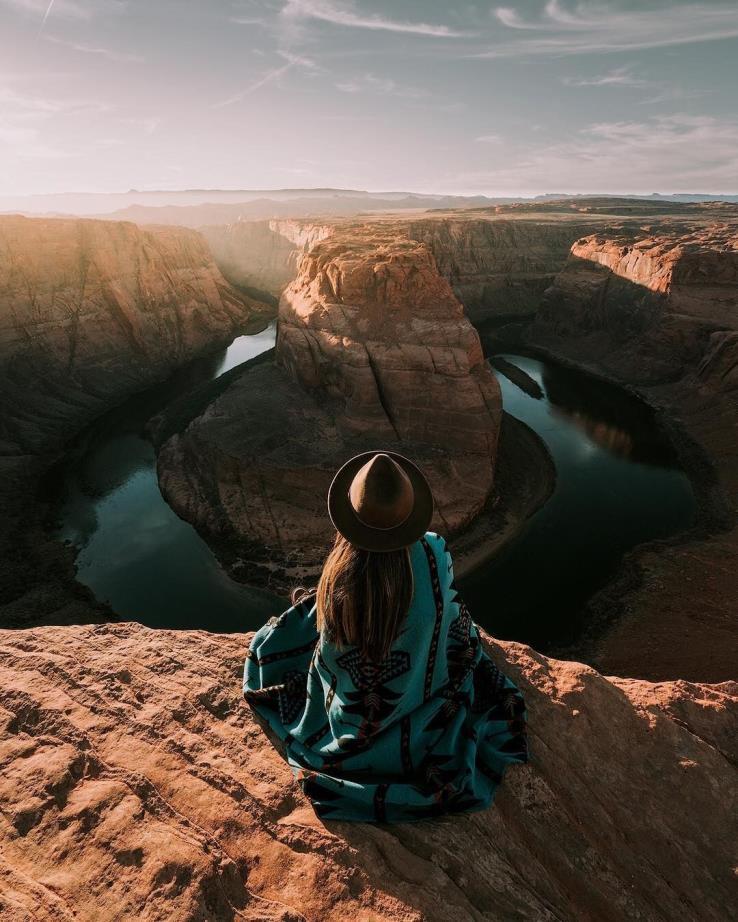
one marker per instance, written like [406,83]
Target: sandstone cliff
[498,268]
[90,311]
[135,784]
[651,302]
[658,309]
[373,350]
[371,323]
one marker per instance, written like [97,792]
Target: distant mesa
[297,202]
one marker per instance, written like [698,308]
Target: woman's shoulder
[436,541]
[432,543]
[297,623]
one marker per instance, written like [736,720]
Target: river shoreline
[524,481]
[520,490]
[58,597]
[623,633]
[48,568]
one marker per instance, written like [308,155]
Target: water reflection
[617,421]
[617,486]
[617,441]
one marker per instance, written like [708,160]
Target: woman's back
[427,729]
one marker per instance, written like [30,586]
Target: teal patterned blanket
[429,730]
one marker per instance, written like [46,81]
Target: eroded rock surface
[90,311]
[93,310]
[135,784]
[498,266]
[653,300]
[373,351]
[658,309]
[371,323]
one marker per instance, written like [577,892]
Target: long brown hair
[363,597]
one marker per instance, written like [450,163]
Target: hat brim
[364,536]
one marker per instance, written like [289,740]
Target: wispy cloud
[291,61]
[25,119]
[350,17]
[380,86]
[623,77]
[620,76]
[589,27]
[253,13]
[41,9]
[147,124]
[26,142]
[49,8]
[26,106]
[342,117]
[489,139]
[665,93]
[95,49]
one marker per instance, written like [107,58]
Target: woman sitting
[377,684]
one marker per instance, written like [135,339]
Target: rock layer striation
[499,269]
[93,310]
[498,266]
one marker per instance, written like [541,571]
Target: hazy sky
[520,98]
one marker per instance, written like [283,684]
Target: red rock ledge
[134,784]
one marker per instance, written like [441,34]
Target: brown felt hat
[380,501]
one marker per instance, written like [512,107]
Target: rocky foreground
[135,784]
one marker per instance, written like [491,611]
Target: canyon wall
[498,268]
[650,304]
[658,310]
[136,784]
[91,311]
[371,323]
[373,351]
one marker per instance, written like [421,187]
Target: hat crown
[381,493]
